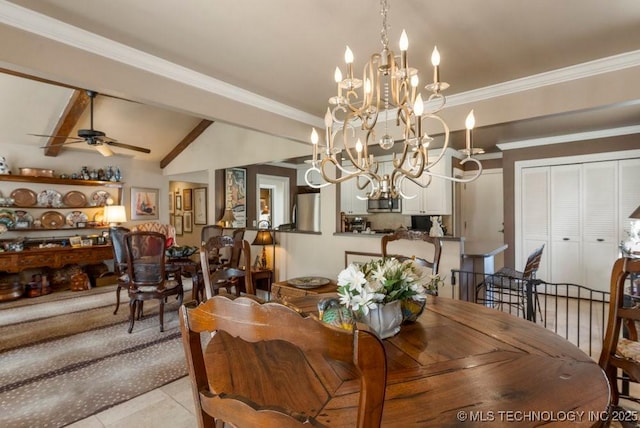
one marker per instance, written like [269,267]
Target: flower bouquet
[374,292]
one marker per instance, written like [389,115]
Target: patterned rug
[67,358]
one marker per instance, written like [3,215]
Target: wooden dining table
[460,364]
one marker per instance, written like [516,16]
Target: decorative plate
[49,198]
[99,198]
[74,199]
[75,217]
[52,220]
[7,217]
[24,197]
[309,282]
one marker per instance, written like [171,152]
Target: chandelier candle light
[390,86]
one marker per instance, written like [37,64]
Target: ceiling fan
[93,137]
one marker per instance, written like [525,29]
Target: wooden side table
[283,289]
[258,276]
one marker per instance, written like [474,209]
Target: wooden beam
[195,133]
[77,105]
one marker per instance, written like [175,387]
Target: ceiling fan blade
[103,149]
[66,143]
[57,137]
[127,146]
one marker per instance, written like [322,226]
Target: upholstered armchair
[166,229]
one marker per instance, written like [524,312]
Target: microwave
[384,205]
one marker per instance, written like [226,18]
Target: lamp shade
[635,214]
[115,214]
[263,237]
[228,216]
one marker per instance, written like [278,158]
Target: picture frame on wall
[200,205]
[236,195]
[178,225]
[171,211]
[187,226]
[144,203]
[186,199]
[172,220]
[178,203]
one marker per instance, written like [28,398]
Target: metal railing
[577,313]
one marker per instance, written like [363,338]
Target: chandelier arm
[441,98]
[313,185]
[459,180]
[399,189]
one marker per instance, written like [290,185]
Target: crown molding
[45,26]
[569,138]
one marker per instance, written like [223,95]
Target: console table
[56,257]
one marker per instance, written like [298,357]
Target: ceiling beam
[190,138]
[77,105]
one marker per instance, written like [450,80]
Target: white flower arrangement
[363,287]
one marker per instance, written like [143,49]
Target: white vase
[385,319]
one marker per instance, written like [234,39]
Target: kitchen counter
[378,235]
[477,257]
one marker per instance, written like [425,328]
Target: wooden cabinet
[94,192]
[13,262]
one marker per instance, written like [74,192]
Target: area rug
[65,359]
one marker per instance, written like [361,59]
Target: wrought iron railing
[577,313]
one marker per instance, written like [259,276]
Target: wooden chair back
[153,226]
[145,258]
[226,276]
[416,235]
[267,378]
[621,353]
[116,234]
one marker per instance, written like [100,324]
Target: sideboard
[56,257]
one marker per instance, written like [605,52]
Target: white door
[482,213]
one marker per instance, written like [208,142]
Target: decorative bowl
[180,251]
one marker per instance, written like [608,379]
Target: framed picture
[172,219]
[186,202]
[144,203]
[236,194]
[170,202]
[200,205]
[187,221]
[178,203]
[178,225]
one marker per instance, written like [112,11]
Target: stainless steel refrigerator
[307,212]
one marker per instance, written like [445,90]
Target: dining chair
[508,286]
[622,353]
[226,276]
[116,234]
[153,226]
[209,231]
[428,257]
[233,384]
[148,276]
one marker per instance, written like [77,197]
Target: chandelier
[387,91]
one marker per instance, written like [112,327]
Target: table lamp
[263,237]
[227,219]
[114,214]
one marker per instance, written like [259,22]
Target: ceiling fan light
[104,150]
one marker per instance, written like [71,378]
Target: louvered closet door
[566,190]
[600,225]
[535,216]
[629,185]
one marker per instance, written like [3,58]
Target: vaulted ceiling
[529,69]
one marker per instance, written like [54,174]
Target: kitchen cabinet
[349,203]
[435,199]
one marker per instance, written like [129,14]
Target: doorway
[272,199]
